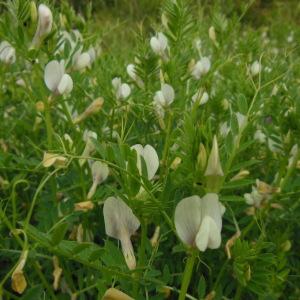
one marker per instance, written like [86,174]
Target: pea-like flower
[56,160]
[56,79]
[201,67]
[44,25]
[89,146]
[198,221]
[165,96]
[159,44]
[7,53]
[121,224]
[131,71]
[100,172]
[255,68]
[201,97]
[150,157]
[122,90]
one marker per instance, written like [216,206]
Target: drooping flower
[89,146]
[44,25]
[122,90]
[100,172]
[93,108]
[121,223]
[56,79]
[84,206]
[201,67]
[214,167]
[159,44]
[132,74]
[7,53]
[150,157]
[255,68]
[198,221]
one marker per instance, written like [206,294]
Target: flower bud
[84,206]
[33,12]
[212,34]
[255,68]
[114,294]
[40,106]
[19,283]
[202,157]
[93,108]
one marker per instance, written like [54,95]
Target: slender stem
[187,274]
[49,127]
[238,292]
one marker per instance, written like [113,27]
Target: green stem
[48,121]
[187,274]
[238,292]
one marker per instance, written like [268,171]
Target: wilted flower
[89,146]
[200,97]
[52,159]
[84,206]
[212,34]
[93,108]
[132,74]
[7,53]
[255,68]
[150,157]
[19,283]
[100,172]
[44,24]
[163,98]
[201,67]
[159,44]
[122,90]
[121,224]
[57,272]
[114,294]
[198,221]
[56,79]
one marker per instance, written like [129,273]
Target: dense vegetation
[149,152]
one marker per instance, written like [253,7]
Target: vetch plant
[7,53]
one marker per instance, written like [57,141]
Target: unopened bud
[240,175]
[40,106]
[212,34]
[33,12]
[114,294]
[84,206]
[93,108]
[202,157]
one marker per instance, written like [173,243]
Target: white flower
[121,223]
[242,120]
[200,97]
[56,79]
[198,221]
[254,198]
[150,157]
[214,167]
[201,67]
[100,172]
[89,146]
[7,53]
[132,74]
[260,136]
[165,96]
[224,129]
[122,90]
[81,60]
[255,68]
[44,24]
[159,44]
[52,159]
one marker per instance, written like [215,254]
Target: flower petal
[151,159]
[211,207]
[168,93]
[65,85]
[188,219]
[208,235]
[125,90]
[119,219]
[53,75]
